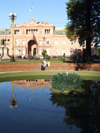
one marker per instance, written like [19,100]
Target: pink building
[33,37]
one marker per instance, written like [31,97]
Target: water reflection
[81,110]
[38,109]
[32,84]
[13,103]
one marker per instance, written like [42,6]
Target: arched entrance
[34,52]
[32,48]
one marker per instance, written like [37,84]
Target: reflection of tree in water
[82,110]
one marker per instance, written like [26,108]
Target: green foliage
[60,58]
[66,81]
[97,51]
[84,19]
[45,55]
[76,27]
[69,32]
[44,52]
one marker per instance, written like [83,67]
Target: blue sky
[50,11]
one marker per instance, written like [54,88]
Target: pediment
[31,22]
[21,25]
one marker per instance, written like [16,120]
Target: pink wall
[29,37]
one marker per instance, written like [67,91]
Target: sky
[50,11]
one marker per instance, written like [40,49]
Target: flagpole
[31,10]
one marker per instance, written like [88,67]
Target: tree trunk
[88,30]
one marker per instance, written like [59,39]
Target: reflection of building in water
[32,84]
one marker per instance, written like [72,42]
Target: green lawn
[45,75]
[34,61]
[57,60]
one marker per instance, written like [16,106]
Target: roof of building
[56,32]
[5,32]
[59,32]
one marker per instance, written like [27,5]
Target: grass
[11,76]
[56,60]
[33,61]
[43,74]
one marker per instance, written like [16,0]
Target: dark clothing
[63,57]
[42,68]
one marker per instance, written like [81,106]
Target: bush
[66,81]
[19,56]
[44,52]
[60,58]
[47,57]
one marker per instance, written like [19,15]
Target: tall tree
[88,29]
[84,18]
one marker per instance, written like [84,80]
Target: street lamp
[44,42]
[13,103]
[12,17]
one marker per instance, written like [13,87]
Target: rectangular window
[23,43]
[56,42]
[31,31]
[47,51]
[56,52]
[9,51]
[40,42]
[71,42]
[63,51]
[16,42]
[63,42]
[23,52]
[47,41]
[40,52]
[9,42]
[47,31]
[71,51]
[17,52]
[35,31]
[16,32]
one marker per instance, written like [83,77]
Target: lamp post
[12,17]
[44,42]
[13,103]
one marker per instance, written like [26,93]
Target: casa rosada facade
[33,37]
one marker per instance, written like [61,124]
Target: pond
[29,106]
